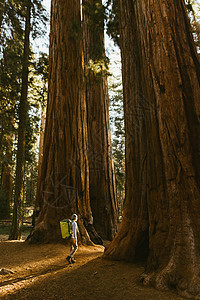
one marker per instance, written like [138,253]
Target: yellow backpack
[66,228]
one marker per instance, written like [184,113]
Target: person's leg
[71,250]
[74,248]
[68,258]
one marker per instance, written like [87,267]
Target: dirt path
[41,273]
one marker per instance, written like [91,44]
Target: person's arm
[74,233]
[73,230]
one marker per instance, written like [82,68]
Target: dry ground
[42,273]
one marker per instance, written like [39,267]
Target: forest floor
[41,272]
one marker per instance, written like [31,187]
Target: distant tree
[37,98]
[2,5]
[11,42]
[17,220]
[41,68]
[112,20]
[118,140]
[10,74]
[28,9]
[31,157]
[101,167]
[6,179]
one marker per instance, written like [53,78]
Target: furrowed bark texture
[161,78]
[101,166]
[64,181]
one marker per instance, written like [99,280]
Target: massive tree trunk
[17,220]
[161,77]
[102,179]
[64,181]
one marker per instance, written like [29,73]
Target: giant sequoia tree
[161,77]
[102,180]
[64,180]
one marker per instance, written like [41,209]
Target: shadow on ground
[41,272]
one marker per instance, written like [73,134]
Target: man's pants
[73,247]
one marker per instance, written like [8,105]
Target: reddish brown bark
[102,179]
[64,181]
[161,77]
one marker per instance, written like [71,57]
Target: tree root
[38,234]
[167,279]
[95,238]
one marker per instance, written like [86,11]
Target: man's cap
[74,216]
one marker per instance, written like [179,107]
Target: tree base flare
[166,280]
[95,238]
[43,233]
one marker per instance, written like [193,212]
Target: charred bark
[161,78]
[101,166]
[64,181]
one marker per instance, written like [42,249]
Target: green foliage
[193,7]
[5,229]
[11,55]
[98,63]
[39,18]
[41,66]
[112,20]
[99,68]
[118,142]
[10,87]
[37,98]
[39,81]
[10,19]
[30,183]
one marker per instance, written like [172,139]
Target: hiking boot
[68,258]
[73,260]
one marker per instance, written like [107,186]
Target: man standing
[73,240]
